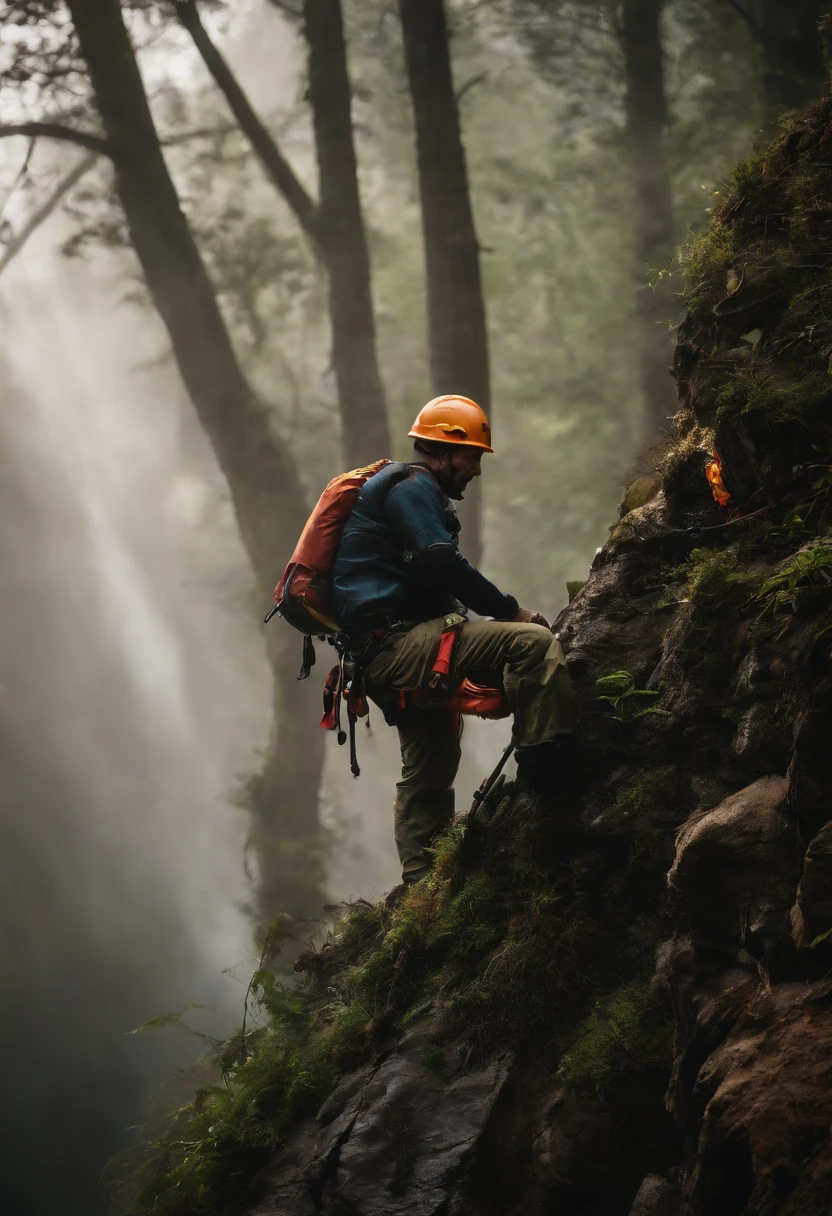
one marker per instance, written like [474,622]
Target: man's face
[460,466]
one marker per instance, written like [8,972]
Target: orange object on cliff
[713,472]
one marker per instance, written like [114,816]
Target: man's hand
[526,617]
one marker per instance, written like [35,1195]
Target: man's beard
[450,484]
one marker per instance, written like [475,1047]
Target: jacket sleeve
[414,510]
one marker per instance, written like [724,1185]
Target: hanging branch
[46,209]
[57,130]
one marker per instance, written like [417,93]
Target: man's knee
[535,646]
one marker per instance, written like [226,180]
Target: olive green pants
[525,660]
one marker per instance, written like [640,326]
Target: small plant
[621,694]
[809,568]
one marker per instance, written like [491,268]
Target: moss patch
[624,1034]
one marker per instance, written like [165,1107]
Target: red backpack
[304,594]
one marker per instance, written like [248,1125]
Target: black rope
[697,530]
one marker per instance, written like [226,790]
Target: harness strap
[342,738]
[354,769]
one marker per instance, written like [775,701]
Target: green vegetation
[804,401]
[706,261]
[507,937]
[230,1127]
[759,294]
[624,1034]
[801,577]
[718,579]
[625,700]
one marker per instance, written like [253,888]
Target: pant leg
[529,658]
[424,805]
[534,675]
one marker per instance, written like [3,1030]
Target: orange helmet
[452,419]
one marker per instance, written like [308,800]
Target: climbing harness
[345,683]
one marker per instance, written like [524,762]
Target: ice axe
[489,782]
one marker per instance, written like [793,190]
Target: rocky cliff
[619,1001]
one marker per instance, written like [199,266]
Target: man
[398,575]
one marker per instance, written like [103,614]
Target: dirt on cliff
[619,1000]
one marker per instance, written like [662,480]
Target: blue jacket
[399,556]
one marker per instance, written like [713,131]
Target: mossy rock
[640,492]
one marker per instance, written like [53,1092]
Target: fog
[132,696]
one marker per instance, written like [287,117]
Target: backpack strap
[393,474]
[308,660]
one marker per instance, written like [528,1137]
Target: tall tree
[457,331]
[335,223]
[646,111]
[264,484]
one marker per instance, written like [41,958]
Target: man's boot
[548,768]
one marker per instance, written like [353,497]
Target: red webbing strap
[444,655]
[328,721]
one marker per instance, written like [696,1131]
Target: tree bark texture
[365,432]
[336,224]
[263,481]
[646,111]
[793,71]
[457,330]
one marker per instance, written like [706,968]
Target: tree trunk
[263,481]
[336,224]
[793,71]
[456,310]
[344,242]
[646,110]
